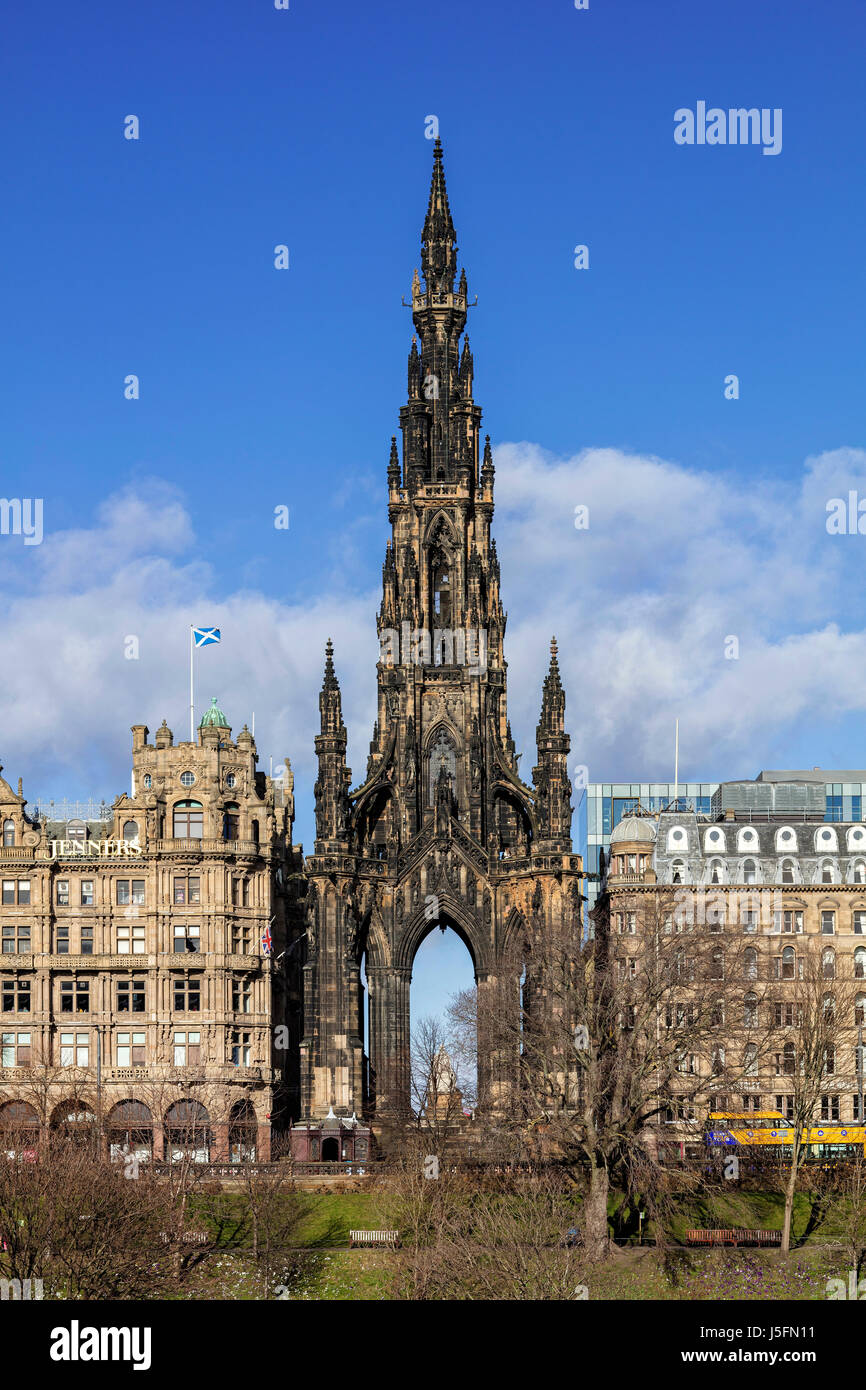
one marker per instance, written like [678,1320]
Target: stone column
[389,1037]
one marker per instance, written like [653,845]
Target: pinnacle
[438,238]
[330,682]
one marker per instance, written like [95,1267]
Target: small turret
[550,778]
[332,784]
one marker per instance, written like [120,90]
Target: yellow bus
[768,1129]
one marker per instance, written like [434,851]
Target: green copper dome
[214,717]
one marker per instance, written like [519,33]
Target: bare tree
[617,1035]
[275,1212]
[811,1047]
[461,1029]
[71,1218]
[437,1098]
[501,1237]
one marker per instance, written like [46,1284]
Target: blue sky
[601,387]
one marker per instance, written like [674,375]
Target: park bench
[733,1237]
[373,1238]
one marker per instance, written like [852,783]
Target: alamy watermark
[22,516]
[736,126]
[445,646]
[855,1291]
[20,1290]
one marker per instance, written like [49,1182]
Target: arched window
[188,820]
[860,963]
[187,1132]
[130,830]
[8,832]
[19,1129]
[130,1131]
[513,830]
[827,875]
[749,871]
[750,1059]
[442,754]
[750,963]
[678,871]
[789,963]
[377,826]
[242,1132]
[828,963]
[74,1120]
[441,592]
[788,871]
[750,1011]
[717,871]
[860,1011]
[858,872]
[231,821]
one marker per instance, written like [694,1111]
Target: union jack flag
[267,941]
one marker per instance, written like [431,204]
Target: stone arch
[376,820]
[187,1130]
[243,1132]
[129,1127]
[514,826]
[74,1119]
[461,919]
[439,524]
[373,941]
[516,937]
[19,1128]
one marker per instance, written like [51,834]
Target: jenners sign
[93,849]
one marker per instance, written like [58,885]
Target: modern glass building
[602,805]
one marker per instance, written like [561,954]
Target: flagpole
[191,688]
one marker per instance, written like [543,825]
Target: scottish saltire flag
[204,636]
[267,941]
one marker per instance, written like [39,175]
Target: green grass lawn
[328,1217]
[316,1268]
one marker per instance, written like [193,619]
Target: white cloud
[674,561]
